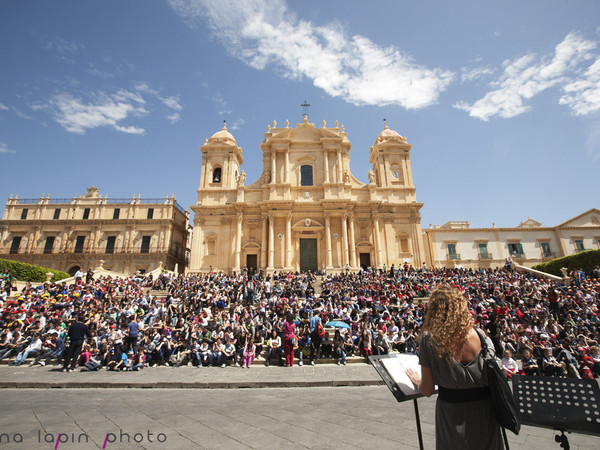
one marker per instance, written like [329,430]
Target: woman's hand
[414,376]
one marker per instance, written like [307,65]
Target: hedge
[29,272]
[585,260]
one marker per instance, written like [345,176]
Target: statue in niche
[267,177]
[372,177]
[241,179]
[346,177]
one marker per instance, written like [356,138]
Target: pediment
[305,133]
[529,223]
[590,218]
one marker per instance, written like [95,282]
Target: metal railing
[485,256]
[452,256]
[108,201]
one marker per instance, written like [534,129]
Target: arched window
[306,175]
[217,175]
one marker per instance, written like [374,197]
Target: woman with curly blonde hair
[449,355]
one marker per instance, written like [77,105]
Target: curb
[188,385]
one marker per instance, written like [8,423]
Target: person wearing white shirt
[509,365]
[34,346]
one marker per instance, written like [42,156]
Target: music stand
[563,404]
[376,361]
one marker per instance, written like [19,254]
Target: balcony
[453,257]
[485,256]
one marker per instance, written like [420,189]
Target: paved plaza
[319,415]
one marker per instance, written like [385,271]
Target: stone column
[352,242]
[205,175]
[326,154]
[378,255]
[263,242]
[93,239]
[273,171]
[339,166]
[64,239]
[161,239]
[169,238]
[271,243]
[328,240]
[288,241]
[31,240]
[287,166]
[238,241]
[345,240]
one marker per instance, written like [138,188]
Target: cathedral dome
[388,134]
[223,136]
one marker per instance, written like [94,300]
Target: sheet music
[396,366]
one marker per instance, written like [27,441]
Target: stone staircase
[318,285]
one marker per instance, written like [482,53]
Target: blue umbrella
[337,324]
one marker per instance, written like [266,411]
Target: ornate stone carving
[92,192]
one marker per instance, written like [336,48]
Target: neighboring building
[528,244]
[129,235]
[307,211]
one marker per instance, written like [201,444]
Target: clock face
[395,174]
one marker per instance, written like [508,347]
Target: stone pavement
[365,417]
[258,376]
[323,406]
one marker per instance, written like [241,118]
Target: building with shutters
[129,235]
[529,243]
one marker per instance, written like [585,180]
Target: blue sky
[500,100]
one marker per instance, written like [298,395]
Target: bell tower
[221,161]
[390,157]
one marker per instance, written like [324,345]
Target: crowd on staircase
[240,319]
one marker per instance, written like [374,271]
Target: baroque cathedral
[307,211]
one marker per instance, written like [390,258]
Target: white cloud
[4,149]
[474,73]
[174,117]
[130,130]
[582,95]
[77,116]
[146,88]
[527,76]
[265,34]
[79,113]
[3,107]
[172,102]
[21,114]
[237,124]
[60,45]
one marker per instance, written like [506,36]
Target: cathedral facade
[307,211]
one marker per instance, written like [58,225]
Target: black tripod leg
[418,419]
[505,438]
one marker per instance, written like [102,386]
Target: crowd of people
[218,319]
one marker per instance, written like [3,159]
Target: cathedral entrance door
[365,260]
[251,262]
[308,255]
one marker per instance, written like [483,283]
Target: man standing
[133,333]
[77,333]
